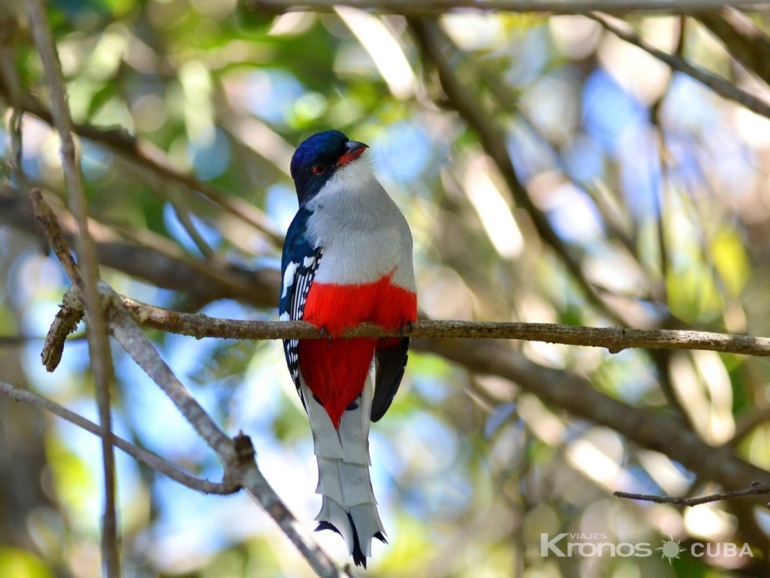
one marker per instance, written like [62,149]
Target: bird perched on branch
[347,259]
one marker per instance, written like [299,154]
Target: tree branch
[756,489]
[438,7]
[615,339]
[744,40]
[150,459]
[98,344]
[236,455]
[717,84]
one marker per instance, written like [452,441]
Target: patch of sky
[94,161]
[641,176]
[688,106]
[402,151]
[551,103]
[574,215]
[575,430]
[643,483]
[35,321]
[256,402]
[209,157]
[63,381]
[272,94]
[583,159]
[529,56]
[763,518]
[31,163]
[33,276]
[655,311]
[225,308]
[157,422]
[4,142]
[631,378]
[497,417]
[137,289]
[685,166]
[609,111]
[432,389]
[178,232]
[383,444]
[729,160]
[87,447]
[183,513]
[529,153]
[186,355]
[281,205]
[429,445]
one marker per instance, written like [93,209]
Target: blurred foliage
[656,186]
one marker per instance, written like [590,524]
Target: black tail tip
[381,537]
[327,526]
[358,557]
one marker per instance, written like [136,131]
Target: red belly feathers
[336,369]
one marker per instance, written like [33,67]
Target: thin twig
[717,84]
[98,344]
[756,489]
[150,459]
[55,236]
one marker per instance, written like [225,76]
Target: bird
[347,259]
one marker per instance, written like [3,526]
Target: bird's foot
[324,333]
[407,327]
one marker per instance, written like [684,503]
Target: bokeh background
[550,172]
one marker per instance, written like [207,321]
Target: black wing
[391,363]
[298,267]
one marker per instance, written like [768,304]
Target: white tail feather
[343,471]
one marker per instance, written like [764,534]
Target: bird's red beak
[355,150]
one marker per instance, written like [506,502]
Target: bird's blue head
[318,157]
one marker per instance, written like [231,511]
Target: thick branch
[437,7]
[649,429]
[745,42]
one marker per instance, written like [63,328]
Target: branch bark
[236,455]
[437,7]
[615,339]
[98,344]
[743,39]
[756,489]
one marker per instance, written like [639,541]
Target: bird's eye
[319,169]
